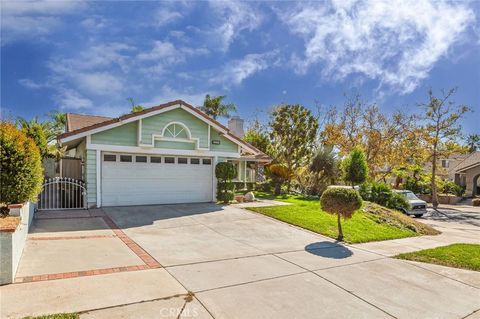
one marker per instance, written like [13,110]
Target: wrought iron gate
[62,193]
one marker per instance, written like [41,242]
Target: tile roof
[471,161]
[79,121]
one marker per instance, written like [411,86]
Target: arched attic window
[176,130]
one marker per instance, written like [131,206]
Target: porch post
[245,175]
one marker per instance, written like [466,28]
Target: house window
[175,131]
[194,161]
[207,161]
[109,158]
[182,160]
[140,159]
[155,159]
[445,163]
[125,158]
[170,160]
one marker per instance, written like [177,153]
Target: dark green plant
[21,172]
[449,187]
[225,172]
[382,194]
[279,174]
[355,168]
[213,107]
[342,202]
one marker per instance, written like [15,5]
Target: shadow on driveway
[335,252]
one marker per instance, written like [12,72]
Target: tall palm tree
[214,107]
[58,121]
[40,132]
[473,142]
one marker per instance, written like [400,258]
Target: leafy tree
[342,202]
[257,136]
[58,122]
[39,132]
[355,168]
[135,107]
[389,141]
[324,166]
[382,194]
[293,135]
[20,167]
[441,126]
[213,107]
[225,172]
[473,142]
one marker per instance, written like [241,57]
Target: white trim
[209,141]
[139,132]
[214,179]
[245,174]
[99,177]
[150,150]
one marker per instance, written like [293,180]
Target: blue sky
[88,57]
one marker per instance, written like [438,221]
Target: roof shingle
[79,121]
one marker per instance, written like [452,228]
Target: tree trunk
[278,187]
[434,185]
[340,232]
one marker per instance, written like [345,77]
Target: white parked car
[418,207]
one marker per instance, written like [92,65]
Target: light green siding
[225,144]
[125,135]
[175,145]
[155,124]
[91,177]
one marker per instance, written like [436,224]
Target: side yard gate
[61,193]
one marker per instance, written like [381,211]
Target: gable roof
[87,123]
[78,121]
[473,160]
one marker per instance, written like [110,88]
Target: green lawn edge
[56,316]
[363,227]
[463,256]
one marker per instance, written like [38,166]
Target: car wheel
[418,215]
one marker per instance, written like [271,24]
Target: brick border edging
[149,261]
[139,251]
[81,273]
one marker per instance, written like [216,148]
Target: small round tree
[21,172]
[225,172]
[342,202]
[355,168]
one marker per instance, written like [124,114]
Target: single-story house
[163,154]
[467,174]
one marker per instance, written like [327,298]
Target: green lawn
[57,316]
[466,256]
[362,227]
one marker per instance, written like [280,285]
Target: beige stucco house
[467,173]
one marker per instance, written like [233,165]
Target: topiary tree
[355,168]
[21,172]
[225,172]
[342,202]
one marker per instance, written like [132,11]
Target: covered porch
[250,170]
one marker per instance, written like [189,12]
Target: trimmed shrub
[21,172]
[354,167]
[449,187]
[225,172]
[342,202]
[383,195]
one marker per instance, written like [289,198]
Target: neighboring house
[164,154]
[467,173]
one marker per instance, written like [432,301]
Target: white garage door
[131,179]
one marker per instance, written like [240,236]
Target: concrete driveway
[209,261]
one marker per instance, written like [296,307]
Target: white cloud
[236,71]
[234,18]
[99,83]
[31,84]
[397,44]
[166,16]
[71,99]
[162,50]
[34,19]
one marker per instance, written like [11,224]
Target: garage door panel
[155,183]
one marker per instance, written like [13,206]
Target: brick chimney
[235,125]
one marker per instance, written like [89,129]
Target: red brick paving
[149,261]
